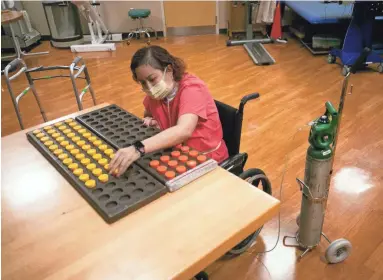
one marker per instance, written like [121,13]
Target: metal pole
[15,42]
[340,111]
[90,87]
[241,42]
[13,97]
[32,86]
[249,25]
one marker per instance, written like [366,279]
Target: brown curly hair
[158,58]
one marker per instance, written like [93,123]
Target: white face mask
[160,90]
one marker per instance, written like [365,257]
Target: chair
[140,14]
[231,120]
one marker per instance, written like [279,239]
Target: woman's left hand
[122,160]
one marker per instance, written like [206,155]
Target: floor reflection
[352,180]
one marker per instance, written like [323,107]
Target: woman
[178,103]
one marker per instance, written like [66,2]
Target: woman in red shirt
[178,103]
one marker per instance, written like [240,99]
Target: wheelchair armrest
[235,164]
[247,98]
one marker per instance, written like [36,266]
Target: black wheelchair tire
[201,276]
[254,176]
[257,175]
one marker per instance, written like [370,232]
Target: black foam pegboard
[112,199]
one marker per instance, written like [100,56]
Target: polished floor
[275,131]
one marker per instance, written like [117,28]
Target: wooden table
[10,17]
[50,232]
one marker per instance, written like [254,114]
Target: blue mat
[317,12]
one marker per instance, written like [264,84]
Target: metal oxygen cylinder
[320,156]
[315,188]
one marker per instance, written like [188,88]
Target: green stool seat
[139,13]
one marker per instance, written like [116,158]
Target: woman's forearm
[165,139]
[174,135]
[147,114]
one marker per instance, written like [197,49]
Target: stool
[11,17]
[140,14]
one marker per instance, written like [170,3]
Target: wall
[37,17]
[38,20]
[222,9]
[115,15]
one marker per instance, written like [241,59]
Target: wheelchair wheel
[258,179]
[201,276]
[255,176]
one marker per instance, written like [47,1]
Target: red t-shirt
[192,97]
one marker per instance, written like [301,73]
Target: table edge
[218,252]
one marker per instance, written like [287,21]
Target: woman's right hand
[149,121]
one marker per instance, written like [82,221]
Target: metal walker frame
[75,70]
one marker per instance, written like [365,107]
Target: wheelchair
[231,120]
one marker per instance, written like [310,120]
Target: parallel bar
[241,42]
[41,68]
[259,54]
[55,76]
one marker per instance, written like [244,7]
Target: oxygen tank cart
[315,187]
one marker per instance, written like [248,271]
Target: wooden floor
[293,92]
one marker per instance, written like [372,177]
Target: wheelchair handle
[247,98]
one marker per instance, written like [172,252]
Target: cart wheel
[331,58]
[338,251]
[380,68]
[201,276]
[345,70]
[298,219]
[254,176]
